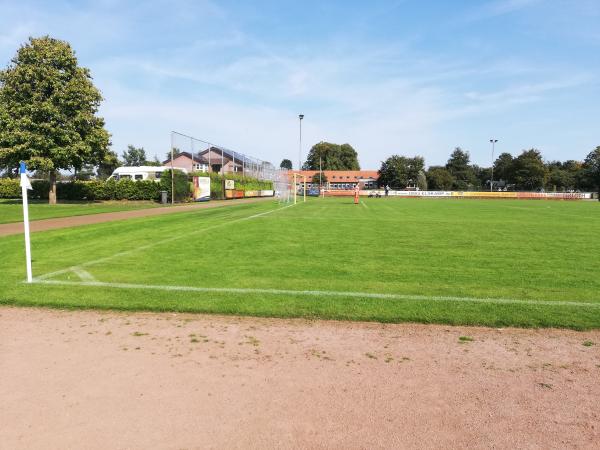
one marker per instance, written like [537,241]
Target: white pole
[24,185]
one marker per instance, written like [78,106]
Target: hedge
[131,190]
[9,188]
[86,190]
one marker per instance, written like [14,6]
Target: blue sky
[407,77]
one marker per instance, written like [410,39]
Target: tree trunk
[52,192]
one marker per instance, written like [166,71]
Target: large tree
[529,170]
[503,168]
[439,179]
[108,165]
[459,166]
[331,157]
[48,111]
[285,164]
[591,170]
[134,156]
[400,171]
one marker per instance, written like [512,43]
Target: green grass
[528,251]
[12,210]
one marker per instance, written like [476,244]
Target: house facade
[212,159]
[337,179]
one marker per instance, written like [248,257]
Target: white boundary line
[153,244]
[316,293]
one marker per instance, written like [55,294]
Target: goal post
[296,176]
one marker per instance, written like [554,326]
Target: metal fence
[198,155]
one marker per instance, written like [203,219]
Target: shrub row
[131,190]
[9,188]
[87,190]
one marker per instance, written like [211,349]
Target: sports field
[12,210]
[522,263]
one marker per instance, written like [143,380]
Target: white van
[138,173]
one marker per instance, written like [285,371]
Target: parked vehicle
[138,173]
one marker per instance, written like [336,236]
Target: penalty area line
[317,293]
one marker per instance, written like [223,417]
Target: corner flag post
[25,185]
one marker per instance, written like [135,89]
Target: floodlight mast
[172,172]
[493,142]
[300,117]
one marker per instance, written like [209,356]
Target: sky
[404,77]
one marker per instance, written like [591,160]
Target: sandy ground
[86,380]
[7,229]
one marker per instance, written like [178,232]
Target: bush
[87,190]
[9,188]
[181,183]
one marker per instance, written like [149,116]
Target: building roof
[201,157]
[339,176]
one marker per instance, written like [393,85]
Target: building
[337,179]
[213,159]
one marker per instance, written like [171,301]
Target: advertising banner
[229,184]
[201,191]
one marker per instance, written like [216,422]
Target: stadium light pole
[172,173]
[493,142]
[300,116]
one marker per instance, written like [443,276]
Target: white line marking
[153,244]
[364,204]
[83,274]
[311,293]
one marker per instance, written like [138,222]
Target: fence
[197,155]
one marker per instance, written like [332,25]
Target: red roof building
[337,179]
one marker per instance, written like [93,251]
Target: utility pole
[300,116]
[493,142]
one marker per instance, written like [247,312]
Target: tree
[134,156]
[331,157]
[529,170]
[439,179]
[319,178]
[459,167]
[286,164]
[108,165]
[503,168]
[422,180]
[48,111]
[176,153]
[483,176]
[400,171]
[591,170]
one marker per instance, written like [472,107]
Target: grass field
[499,263]
[12,211]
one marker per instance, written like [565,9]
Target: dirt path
[114,380]
[75,221]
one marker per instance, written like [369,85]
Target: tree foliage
[319,178]
[529,171]
[503,168]
[286,164]
[591,170]
[439,179]
[134,156]
[48,111]
[331,157]
[400,171]
[461,170]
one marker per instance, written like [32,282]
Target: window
[139,176]
[201,167]
[157,175]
